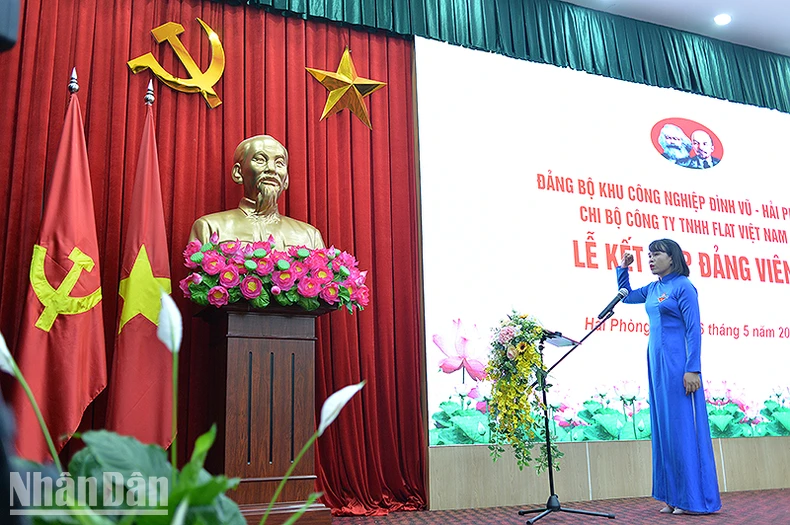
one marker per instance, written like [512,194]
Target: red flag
[141,379]
[61,350]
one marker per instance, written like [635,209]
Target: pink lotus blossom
[352,277]
[361,296]
[191,249]
[251,287]
[230,247]
[464,390]
[461,358]
[322,275]
[633,408]
[308,287]
[192,278]
[285,279]
[344,259]
[218,296]
[229,276]
[318,258]
[212,263]
[281,260]
[261,245]
[184,285]
[330,293]
[717,395]
[276,290]
[238,261]
[214,239]
[299,269]
[628,391]
[567,417]
[315,261]
[602,391]
[478,393]
[265,266]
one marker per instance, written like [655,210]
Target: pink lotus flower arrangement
[229,272]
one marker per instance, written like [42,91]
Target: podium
[262,398]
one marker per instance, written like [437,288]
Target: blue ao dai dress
[684,469]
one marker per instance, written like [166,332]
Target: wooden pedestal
[263,401]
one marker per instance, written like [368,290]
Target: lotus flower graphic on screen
[459,356]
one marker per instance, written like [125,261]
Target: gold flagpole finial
[73,85]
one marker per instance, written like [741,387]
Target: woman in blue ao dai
[684,470]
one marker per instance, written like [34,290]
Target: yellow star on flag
[141,291]
[346,89]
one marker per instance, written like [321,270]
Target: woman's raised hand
[628,260]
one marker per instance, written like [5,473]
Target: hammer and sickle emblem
[58,300]
[199,81]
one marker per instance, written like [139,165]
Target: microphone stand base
[553,505]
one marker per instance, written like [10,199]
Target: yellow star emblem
[346,89]
[141,291]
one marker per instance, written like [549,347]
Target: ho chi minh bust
[261,167]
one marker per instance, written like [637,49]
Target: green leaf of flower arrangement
[344,294]
[308,303]
[234,295]
[199,294]
[262,301]
[283,300]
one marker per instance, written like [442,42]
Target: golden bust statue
[261,167]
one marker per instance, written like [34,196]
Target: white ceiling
[762,24]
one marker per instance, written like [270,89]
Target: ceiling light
[722,19]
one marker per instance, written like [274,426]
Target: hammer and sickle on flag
[199,81]
[58,301]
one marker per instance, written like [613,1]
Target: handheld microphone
[609,307]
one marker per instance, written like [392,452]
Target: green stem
[173,455]
[42,424]
[625,415]
[553,422]
[287,474]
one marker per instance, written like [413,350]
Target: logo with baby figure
[687,143]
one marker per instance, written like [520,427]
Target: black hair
[672,249]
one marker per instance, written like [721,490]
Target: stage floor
[763,507]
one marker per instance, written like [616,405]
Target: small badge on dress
[662,297]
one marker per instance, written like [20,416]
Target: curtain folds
[357,186]
[566,35]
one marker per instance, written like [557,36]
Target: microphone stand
[553,503]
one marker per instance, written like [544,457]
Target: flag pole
[149,101]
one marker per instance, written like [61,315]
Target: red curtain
[357,186]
